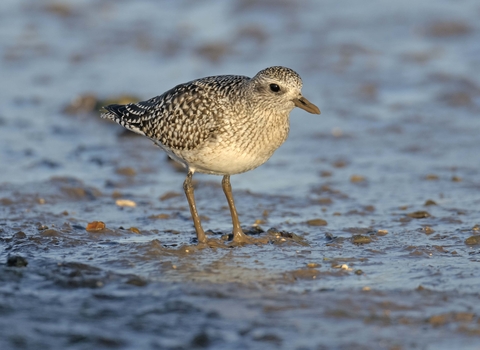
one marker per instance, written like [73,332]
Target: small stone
[464,316]
[421,214]
[20,235]
[16,261]
[312,265]
[431,177]
[430,202]
[456,179]
[316,222]
[457,98]
[444,29]
[325,173]
[324,201]
[95,226]
[159,216]
[357,178]
[201,340]
[340,164]
[134,230]
[382,232]
[125,203]
[473,240]
[361,239]
[305,274]
[50,232]
[136,281]
[116,194]
[126,171]
[438,320]
[74,192]
[6,201]
[427,230]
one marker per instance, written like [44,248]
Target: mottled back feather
[182,118]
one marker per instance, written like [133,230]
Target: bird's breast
[239,147]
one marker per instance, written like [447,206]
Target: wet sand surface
[368,216]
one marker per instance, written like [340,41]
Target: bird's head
[281,87]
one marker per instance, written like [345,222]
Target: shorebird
[220,125]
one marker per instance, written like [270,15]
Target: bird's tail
[125,115]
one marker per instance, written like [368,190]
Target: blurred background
[369,66]
[391,163]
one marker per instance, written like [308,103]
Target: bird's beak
[305,104]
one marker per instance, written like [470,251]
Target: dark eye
[274,87]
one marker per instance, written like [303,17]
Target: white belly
[223,160]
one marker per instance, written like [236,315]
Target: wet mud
[366,221]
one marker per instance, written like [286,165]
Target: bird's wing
[180,119]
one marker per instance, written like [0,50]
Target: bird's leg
[188,187]
[238,235]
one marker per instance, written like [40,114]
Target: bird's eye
[274,87]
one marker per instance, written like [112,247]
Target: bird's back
[183,117]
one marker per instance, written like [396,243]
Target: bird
[220,125]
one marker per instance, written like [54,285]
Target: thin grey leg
[188,187]
[238,235]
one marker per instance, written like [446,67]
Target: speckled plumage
[220,125]
[204,122]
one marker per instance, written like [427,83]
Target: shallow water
[391,165]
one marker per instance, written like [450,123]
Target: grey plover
[221,125]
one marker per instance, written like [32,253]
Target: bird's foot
[212,243]
[240,238]
[236,238]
